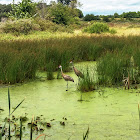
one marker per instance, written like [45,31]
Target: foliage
[24,9]
[80,13]
[106,19]
[65,2]
[63,14]
[90,17]
[97,28]
[5,8]
[112,31]
[116,15]
[60,14]
[47,25]
[24,26]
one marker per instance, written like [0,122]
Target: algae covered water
[110,113]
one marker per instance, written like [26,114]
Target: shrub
[112,31]
[90,17]
[24,26]
[97,28]
[106,19]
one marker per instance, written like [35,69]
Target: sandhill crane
[77,72]
[66,77]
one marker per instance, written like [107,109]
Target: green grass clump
[50,75]
[86,84]
[113,67]
[16,67]
[97,28]
[137,65]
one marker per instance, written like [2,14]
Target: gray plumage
[66,77]
[77,72]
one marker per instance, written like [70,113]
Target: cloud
[109,6]
[100,6]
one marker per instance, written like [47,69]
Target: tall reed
[20,59]
[86,84]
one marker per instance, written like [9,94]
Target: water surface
[110,113]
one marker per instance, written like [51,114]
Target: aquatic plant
[20,128]
[50,71]
[86,84]
[111,69]
[21,59]
[85,137]
[9,120]
[31,130]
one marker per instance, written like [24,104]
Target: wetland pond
[110,113]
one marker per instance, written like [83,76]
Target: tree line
[62,11]
[128,15]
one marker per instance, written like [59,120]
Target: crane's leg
[67,86]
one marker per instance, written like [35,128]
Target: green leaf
[17,106]
[20,128]
[9,101]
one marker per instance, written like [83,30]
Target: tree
[72,3]
[80,13]
[64,2]
[4,9]
[24,9]
[116,15]
[60,13]
[89,17]
[63,14]
[106,19]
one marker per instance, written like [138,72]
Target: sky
[101,7]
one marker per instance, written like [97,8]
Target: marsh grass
[20,59]
[59,76]
[111,68]
[86,84]
[114,66]
[50,75]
